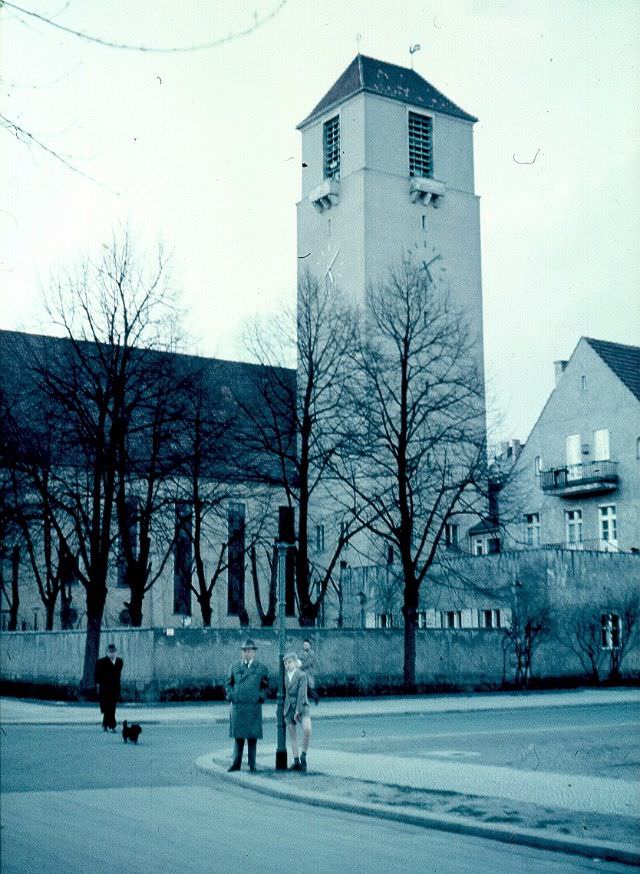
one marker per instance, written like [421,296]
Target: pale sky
[199,149]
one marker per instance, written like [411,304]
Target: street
[74,798]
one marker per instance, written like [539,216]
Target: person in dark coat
[246,690]
[296,709]
[107,678]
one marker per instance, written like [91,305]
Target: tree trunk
[205,609]
[50,610]
[95,611]
[134,605]
[409,611]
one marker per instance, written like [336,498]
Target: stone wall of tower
[374,222]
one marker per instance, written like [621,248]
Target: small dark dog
[130,732]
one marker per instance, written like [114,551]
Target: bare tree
[296,422]
[579,630]
[629,619]
[530,623]
[417,455]
[149,454]
[112,313]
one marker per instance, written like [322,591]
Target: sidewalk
[21,711]
[591,816]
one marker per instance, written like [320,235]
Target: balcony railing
[592,477]
[596,544]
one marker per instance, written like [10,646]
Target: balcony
[578,480]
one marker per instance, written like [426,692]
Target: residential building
[576,483]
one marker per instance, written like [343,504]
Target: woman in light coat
[296,709]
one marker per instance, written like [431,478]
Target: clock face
[327,264]
[430,269]
[431,262]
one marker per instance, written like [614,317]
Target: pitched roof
[623,360]
[386,80]
[229,388]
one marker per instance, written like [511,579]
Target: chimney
[559,368]
[517,448]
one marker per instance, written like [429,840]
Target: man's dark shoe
[303,763]
[234,767]
[296,766]
[252,768]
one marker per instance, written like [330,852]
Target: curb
[553,841]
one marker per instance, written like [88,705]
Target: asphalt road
[597,741]
[75,799]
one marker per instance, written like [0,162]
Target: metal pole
[281,750]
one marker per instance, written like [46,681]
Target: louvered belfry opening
[420,145]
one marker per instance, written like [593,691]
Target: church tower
[388,169]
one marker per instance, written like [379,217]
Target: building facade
[576,483]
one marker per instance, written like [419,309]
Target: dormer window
[331,140]
[420,145]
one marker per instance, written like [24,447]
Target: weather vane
[358,38]
[412,50]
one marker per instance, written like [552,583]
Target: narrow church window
[182,559]
[424,223]
[235,554]
[420,145]
[332,148]
[131,533]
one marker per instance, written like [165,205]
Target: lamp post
[286,541]
[281,749]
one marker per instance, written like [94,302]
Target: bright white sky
[200,150]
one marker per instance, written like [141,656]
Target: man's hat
[112,647]
[290,656]
[249,644]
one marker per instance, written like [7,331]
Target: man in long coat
[246,690]
[107,678]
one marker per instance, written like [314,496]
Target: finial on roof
[412,50]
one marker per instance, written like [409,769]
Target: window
[344,532]
[421,618]
[638,448]
[332,148]
[452,619]
[390,555]
[608,526]
[319,538]
[420,145]
[537,465]
[610,631]
[451,535]
[573,525]
[384,620]
[490,619]
[532,533]
[601,445]
[182,559]
[574,456]
[478,547]
[235,559]
[131,533]
[583,382]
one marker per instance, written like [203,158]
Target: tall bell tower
[388,169]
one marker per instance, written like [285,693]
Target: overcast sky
[200,149]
